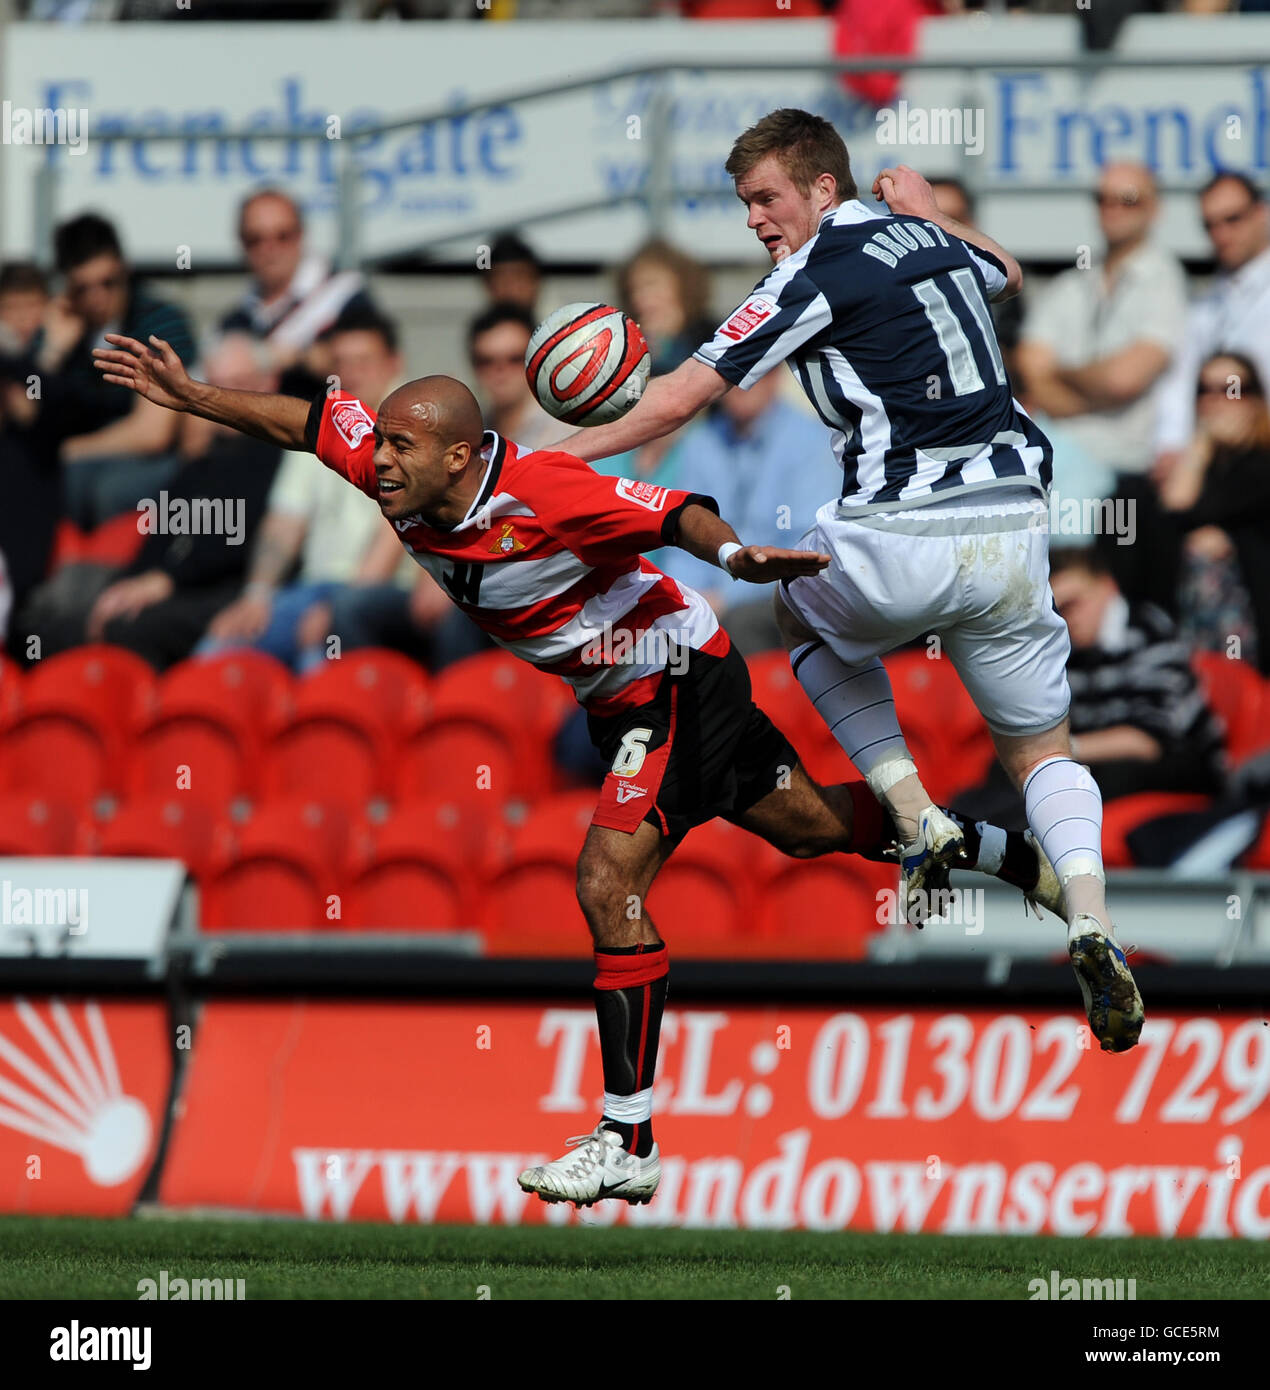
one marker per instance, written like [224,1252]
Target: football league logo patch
[507,544]
[756,310]
[353,421]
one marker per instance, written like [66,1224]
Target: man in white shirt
[1233,315]
[1101,335]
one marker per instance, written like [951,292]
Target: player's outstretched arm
[906,192]
[670,401]
[701,533]
[158,374]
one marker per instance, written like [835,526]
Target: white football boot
[1112,1002]
[924,865]
[598,1167]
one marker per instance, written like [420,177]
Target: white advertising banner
[444,188]
[100,909]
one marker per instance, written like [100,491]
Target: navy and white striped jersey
[885,322]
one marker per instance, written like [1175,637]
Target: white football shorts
[975,573]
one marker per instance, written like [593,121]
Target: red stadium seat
[507,698]
[11,684]
[39,748]
[455,759]
[267,893]
[115,542]
[530,907]
[378,690]
[826,907]
[1126,813]
[1236,692]
[283,871]
[327,758]
[31,824]
[162,827]
[187,755]
[702,901]
[1258,857]
[107,688]
[244,692]
[422,867]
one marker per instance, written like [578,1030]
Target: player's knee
[598,890]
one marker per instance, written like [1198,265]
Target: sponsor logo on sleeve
[643,494]
[755,311]
[353,421]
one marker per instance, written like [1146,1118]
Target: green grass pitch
[75,1258]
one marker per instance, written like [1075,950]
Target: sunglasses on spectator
[1229,220]
[1128,199]
[253,239]
[508,359]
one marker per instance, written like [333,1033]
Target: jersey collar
[494,450]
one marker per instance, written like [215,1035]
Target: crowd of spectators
[1154,398]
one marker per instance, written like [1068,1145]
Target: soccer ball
[588,364]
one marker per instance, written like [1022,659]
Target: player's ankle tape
[628,972]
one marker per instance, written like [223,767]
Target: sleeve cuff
[670,522]
[314,423]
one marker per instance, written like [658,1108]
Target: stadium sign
[918,1119]
[443,187]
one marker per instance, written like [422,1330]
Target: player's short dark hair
[364,320]
[950,181]
[509,249]
[1090,558]
[257,193]
[1234,176]
[84,238]
[806,145]
[22,277]
[497,315]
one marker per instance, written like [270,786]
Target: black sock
[1019,865]
[630,995]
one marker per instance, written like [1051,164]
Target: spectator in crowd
[196,539]
[667,293]
[29,516]
[1218,496]
[955,200]
[1139,718]
[112,450]
[294,296]
[1095,343]
[24,300]
[770,468]
[1232,316]
[497,340]
[314,519]
[515,273]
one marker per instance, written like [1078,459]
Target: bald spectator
[1232,316]
[1096,342]
[295,296]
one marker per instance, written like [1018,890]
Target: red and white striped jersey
[548,560]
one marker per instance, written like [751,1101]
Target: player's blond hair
[806,145]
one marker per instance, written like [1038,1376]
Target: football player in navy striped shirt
[941,524]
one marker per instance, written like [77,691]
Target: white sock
[1064,810]
[858,707]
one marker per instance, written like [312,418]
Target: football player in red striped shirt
[547,557]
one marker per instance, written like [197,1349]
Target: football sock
[1064,809]
[858,708]
[630,994]
[1005,854]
